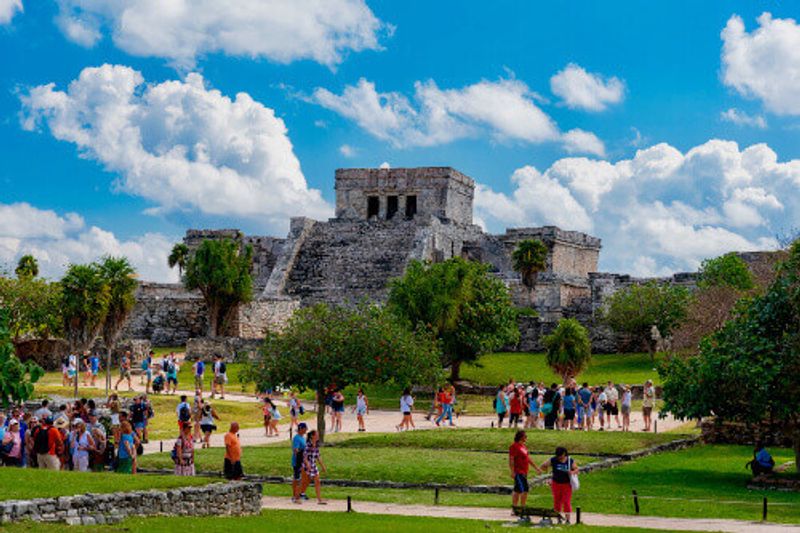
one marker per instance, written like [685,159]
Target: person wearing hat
[30,455]
[11,448]
[298,448]
[46,443]
[62,425]
[648,401]
[81,444]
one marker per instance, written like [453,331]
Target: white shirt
[612,394]
[406,402]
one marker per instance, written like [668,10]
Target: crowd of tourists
[570,407]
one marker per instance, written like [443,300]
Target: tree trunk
[213,318]
[796,443]
[455,371]
[651,349]
[321,415]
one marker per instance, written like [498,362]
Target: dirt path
[500,514]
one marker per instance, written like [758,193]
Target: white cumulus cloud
[740,118]
[181,31]
[580,89]
[180,144]
[60,240]
[505,110]
[765,63]
[660,211]
[9,8]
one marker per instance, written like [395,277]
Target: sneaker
[303,496]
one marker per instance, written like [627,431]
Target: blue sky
[670,130]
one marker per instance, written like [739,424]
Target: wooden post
[636,502]
[655,425]
[578,515]
[764,511]
[436,496]
[161,445]
[349,505]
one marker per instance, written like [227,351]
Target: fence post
[290,433]
[655,425]
[636,502]
[436,496]
[578,515]
[349,505]
[161,444]
[764,511]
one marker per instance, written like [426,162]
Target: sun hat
[61,423]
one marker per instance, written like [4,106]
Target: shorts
[94,371]
[569,414]
[125,373]
[339,409]
[220,380]
[361,411]
[406,413]
[611,409]
[139,425]
[233,470]
[208,428]
[520,483]
[125,466]
[172,380]
[626,409]
[647,411]
[198,381]
[297,471]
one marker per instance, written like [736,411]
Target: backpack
[301,409]
[185,415]
[5,449]
[222,367]
[547,408]
[41,441]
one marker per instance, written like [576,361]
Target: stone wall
[166,314]
[47,353]
[217,499]
[230,348]
[254,318]
[771,433]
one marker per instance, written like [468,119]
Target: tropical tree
[468,309]
[178,257]
[84,303]
[27,267]
[16,378]
[528,259]
[32,305]
[727,270]
[634,311]
[120,277]
[220,270]
[321,346]
[739,368]
[568,348]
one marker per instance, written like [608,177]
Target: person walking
[337,410]
[183,411]
[274,419]
[532,401]
[94,367]
[361,408]
[406,407]
[199,368]
[551,406]
[500,405]
[124,371]
[311,463]
[207,423]
[233,454]
[515,407]
[648,401]
[298,449]
[87,369]
[172,374]
[184,452]
[446,401]
[294,411]
[126,454]
[220,377]
[563,467]
[519,462]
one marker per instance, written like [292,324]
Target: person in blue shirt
[94,367]
[199,372]
[762,462]
[569,403]
[298,448]
[584,406]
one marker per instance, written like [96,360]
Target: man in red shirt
[519,461]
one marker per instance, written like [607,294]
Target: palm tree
[568,349]
[178,257]
[120,279]
[528,259]
[27,267]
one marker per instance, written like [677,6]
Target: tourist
[233,454]
[184,452]
[47,444]
[62,426]
[94,367]
[81,444]
[183,411]
[294,410]
[648,401]
[361,408]
[311,462]
[197,415]
[532,401]
[275,419]
[600,395]
[611,408]
[72,369]
[337,410]
[124,371]
[220,377]
[625,407]
[551,406]
[266,411]
[406,406]
[97,455]
[86,369]
[500,405]
[207,423]
[30,454]
[519,462]
[515,407]
[113,406]
[43,412]
[172,369]
[159,380]
[563,466]
[146,378]
[570,403]
[139,416]
[762,462]
[126,454]
[298,449]
[65,381]
[199,368]
[11,448]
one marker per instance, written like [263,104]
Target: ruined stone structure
[384,219]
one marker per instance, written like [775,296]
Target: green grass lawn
[700,482]
[494,369]
[500,439]
[307,521]
[24,483]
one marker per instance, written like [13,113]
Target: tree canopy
[120,277]
[220,270]
[727,270]
[635,309]
[32,305]
[27,267]
[529,258]
[178,257]
[84,304]
[568,348]
[16,378]
[468,309]
[747,371]
[324,346]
